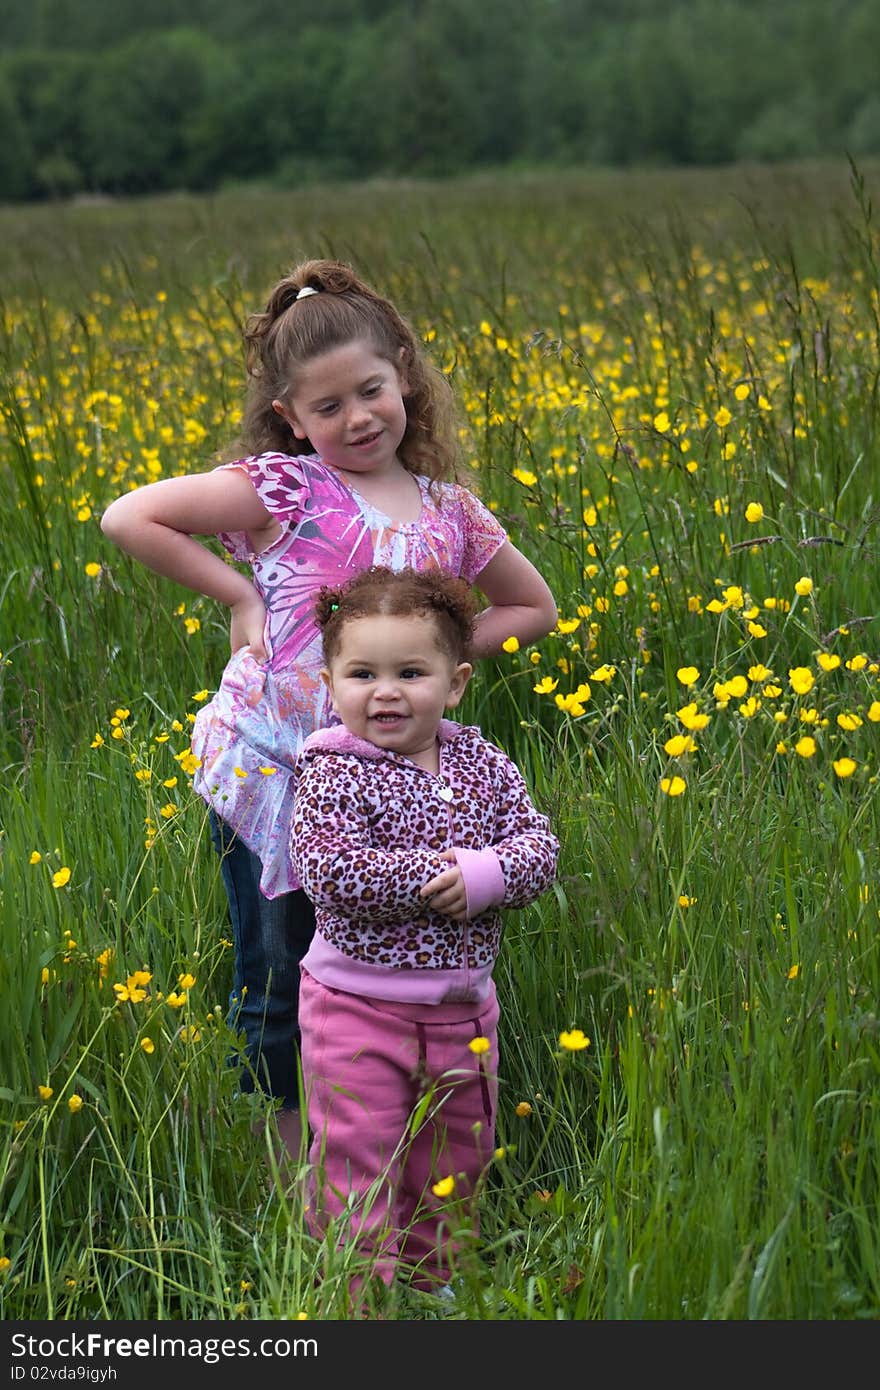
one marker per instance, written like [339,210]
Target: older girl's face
[348,402]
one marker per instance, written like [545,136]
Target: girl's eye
[410,673]
[362,675]
[372,390]
[327,409]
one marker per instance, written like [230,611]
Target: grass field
[670,393]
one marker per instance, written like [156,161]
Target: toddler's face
[390,682]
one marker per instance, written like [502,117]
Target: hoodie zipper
[446,795]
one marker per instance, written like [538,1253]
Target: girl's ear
[401,373]
[328,681]
[290,419]
[458,683]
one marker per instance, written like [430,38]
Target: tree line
[120,97]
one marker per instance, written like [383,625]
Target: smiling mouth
[366,439]
[388,718]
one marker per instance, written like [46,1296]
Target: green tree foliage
[139,104]
[115,96]
[15,152]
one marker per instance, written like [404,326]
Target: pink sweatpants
[376,1150]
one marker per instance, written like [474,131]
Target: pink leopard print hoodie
[367,830]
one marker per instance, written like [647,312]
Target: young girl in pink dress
[347,459]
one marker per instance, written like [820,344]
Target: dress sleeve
[282,485]
[482,534]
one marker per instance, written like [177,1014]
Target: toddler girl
[410,832]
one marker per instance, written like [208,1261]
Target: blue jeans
[270,936]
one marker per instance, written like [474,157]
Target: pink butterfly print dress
[248,737]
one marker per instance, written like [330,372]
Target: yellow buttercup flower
[805,747]
[445,1187]
[148,1046]
[672,786]
[692,718]
[849,721]
[804,586]
[844,767]
[479,1046]
[574,1041]
[688,675]
[510,645]
[61,878]
[829,661]
[801,679]
[523,1110]
[133,991]
[74,1103]
[679,744]
[754,512]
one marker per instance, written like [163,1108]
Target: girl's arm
[521,604]
[517,867]
[156,524]
[334,860]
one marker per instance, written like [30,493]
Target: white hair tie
[306,289]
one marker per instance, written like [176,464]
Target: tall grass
[669,393]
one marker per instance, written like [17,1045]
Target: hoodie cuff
[483,879]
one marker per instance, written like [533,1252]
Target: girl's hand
[247,624]
[446,892]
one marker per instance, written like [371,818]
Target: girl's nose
[386,690]
[358,414]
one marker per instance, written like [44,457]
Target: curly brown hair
[290,332]
[448,601]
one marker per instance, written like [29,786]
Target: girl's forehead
[357,358]
[378,633]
